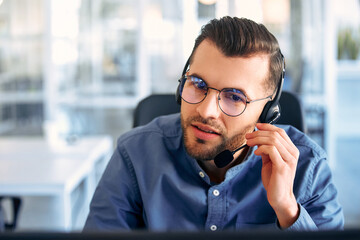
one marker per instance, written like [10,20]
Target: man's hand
[279,158]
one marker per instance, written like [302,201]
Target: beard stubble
[201,149]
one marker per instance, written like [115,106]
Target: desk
[31,166]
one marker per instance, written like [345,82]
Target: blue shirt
[152,183]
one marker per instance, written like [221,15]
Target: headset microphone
[225,157]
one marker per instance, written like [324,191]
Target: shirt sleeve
[116,204]
[304,222]
[319,208]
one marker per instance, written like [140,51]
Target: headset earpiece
[272,111]
[177,93]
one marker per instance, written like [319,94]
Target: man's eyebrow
[240,89]
[197,76]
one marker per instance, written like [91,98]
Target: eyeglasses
[231,101]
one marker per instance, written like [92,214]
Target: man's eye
[234,97]
[198,83]
[201,85]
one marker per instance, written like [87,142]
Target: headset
[271,112]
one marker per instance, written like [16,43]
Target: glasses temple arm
[260,99]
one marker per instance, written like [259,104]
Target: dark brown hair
[241,37]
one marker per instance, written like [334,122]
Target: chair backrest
[154,106]
[291,111]
[163,104]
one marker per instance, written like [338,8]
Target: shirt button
[202,174]
[213,227]
[216,192]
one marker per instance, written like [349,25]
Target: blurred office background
[76,68]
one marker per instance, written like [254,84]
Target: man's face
[207,130]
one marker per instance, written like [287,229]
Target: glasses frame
[185,77]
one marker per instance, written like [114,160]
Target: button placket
[216,208]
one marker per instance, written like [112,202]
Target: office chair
[16,204]
[291,111]
[154,106]
[2,221]
[163,104]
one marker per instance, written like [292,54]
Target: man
[163,176]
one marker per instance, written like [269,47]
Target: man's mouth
[206,129]
[204,132]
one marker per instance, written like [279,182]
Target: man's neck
[217,175]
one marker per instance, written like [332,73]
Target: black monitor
[242,235]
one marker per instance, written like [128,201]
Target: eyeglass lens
[194,90]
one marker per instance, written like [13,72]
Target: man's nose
[209,107]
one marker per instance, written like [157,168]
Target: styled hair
[241,37]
